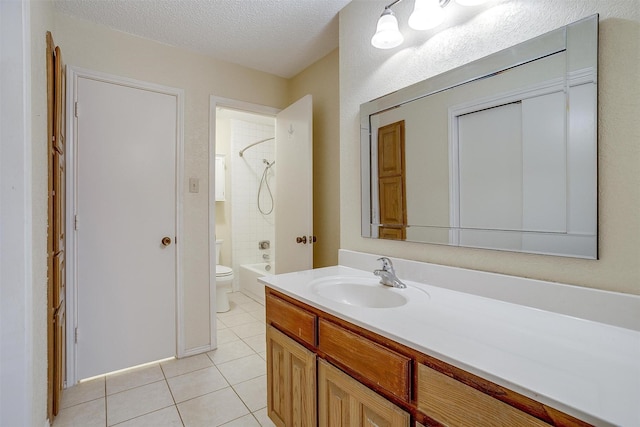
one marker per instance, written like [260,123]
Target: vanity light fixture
[427,14]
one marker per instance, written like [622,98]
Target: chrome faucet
[388,275]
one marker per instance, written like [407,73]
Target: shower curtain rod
[255,143]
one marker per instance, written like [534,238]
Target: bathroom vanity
[343,350]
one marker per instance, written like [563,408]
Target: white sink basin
[358,291]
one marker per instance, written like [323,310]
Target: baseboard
[196,350]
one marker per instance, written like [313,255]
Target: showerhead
[266,162]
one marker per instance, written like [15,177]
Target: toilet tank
[218,246]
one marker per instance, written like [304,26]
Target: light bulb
[426,14]
[387,34]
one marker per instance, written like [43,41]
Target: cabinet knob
[302,240]
[166,241]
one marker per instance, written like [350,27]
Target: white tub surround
[571,348]
[249,274]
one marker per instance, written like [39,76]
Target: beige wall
[99,48]
[321,81]
[41,22]
[367,73]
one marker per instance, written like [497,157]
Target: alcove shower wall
[249,226]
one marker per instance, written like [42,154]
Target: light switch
[194,185]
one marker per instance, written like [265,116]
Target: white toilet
[224,282]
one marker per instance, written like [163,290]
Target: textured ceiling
[281,37]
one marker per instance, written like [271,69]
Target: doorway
[126,184]
[263,192]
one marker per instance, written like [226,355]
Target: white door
[294,184]
[126,204]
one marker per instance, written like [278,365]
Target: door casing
[214,102]
[73,73]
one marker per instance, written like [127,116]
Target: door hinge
[75,335]
[75,109]
[75,222]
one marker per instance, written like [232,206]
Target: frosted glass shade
[426,14]
[470,2]
[387,34]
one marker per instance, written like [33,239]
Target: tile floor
[224,387]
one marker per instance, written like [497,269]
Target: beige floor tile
[243,369]
[258,343]
[251,306]
[226,335]
[253,393]
[176,367]
[83,392]
[220,324]
[133,378]
[138,401]
[87,414]
[197,383]
[230,351]
[239,319]
[167,417]
[234,309]
[239,298]
[259,315]
[249,329]
[246,421]
[212,409]
[263,418]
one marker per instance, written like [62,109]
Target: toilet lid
[223,270]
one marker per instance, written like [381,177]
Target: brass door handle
[302,240]
[166,241]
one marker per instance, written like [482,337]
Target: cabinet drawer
[453,403]
[370,362]
[292,319]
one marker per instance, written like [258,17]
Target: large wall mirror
[500,153]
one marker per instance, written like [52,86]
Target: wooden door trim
[73,74]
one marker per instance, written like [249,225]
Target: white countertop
[585,368]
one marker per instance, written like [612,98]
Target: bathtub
[249,274]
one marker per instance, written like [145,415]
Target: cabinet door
[291,381]
[344,402]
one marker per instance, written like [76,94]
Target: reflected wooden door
[391,182]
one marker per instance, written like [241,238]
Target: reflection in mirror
[500,153]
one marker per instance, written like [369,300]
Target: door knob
[302,240]
[166,241]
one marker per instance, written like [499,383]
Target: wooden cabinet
[364,379]
[368,361]
[344,402]
[455,404]
[291,319]
[291,381]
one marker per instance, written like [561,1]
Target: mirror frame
[570,38]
